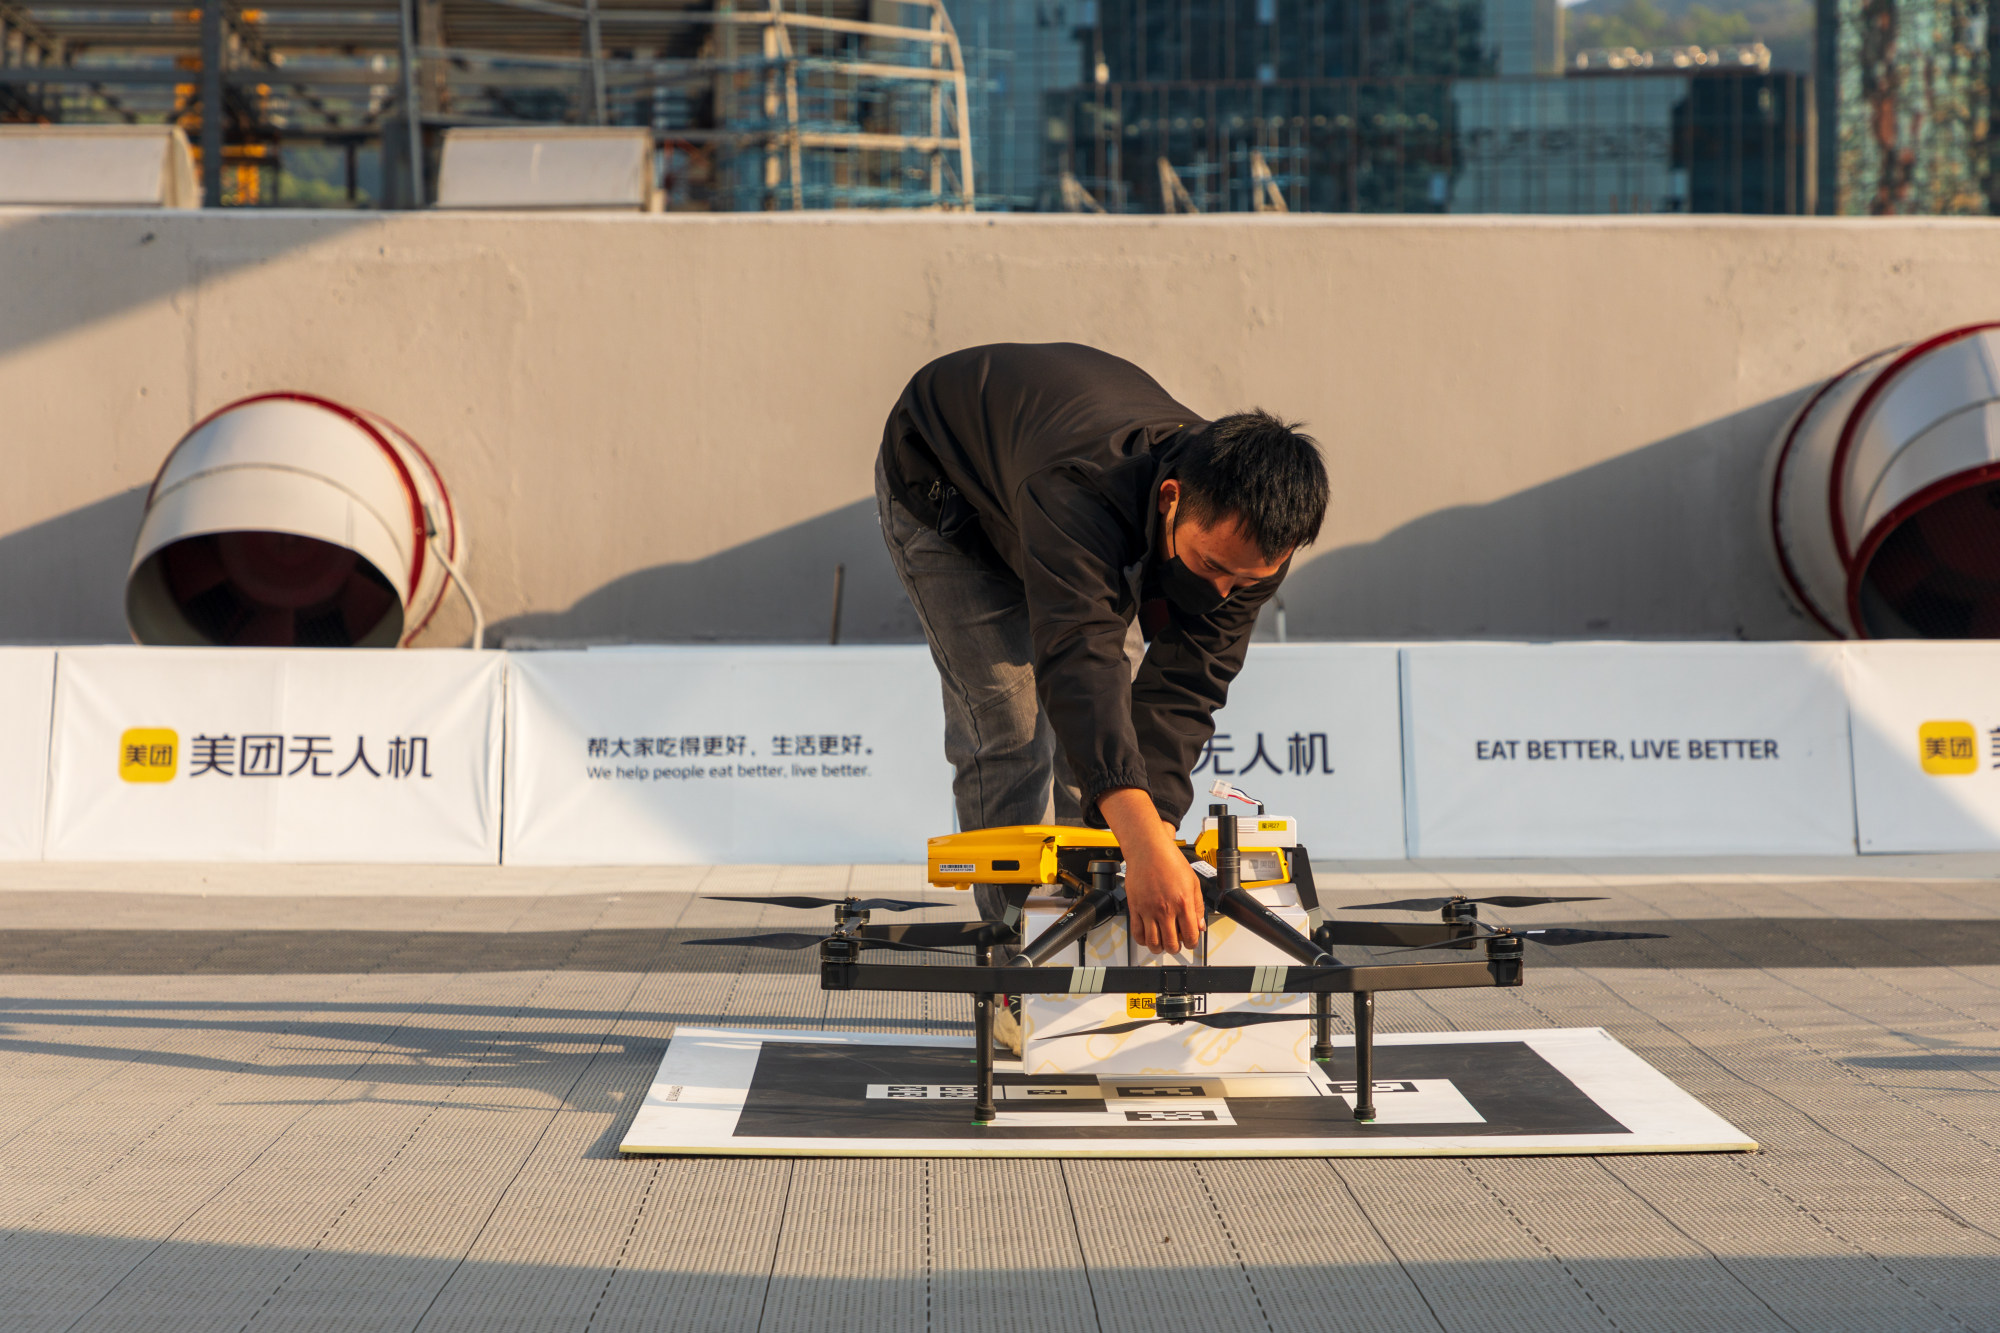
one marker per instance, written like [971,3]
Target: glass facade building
[1270,41]
[1329,145]
[1016,53]
[1722,141]
[1406,106]
[1341,105]
[1708,142]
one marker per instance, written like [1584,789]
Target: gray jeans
[1007,767]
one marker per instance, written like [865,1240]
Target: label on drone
[957,867]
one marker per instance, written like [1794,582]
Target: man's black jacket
[1045,461]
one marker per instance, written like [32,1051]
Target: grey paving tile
[1315,1259]
[1004,1251]
[702,1248]
[855,1253]
[1479,1264]
[1163,1250]
[205,1122]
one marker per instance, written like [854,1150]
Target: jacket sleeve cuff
[1109,779]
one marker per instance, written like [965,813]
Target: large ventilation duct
[289,520]
[1884,493]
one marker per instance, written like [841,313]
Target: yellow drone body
[1033,854]
[1017,854]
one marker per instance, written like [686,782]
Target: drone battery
[1263,842]
[1261,830]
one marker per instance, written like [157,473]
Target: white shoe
[1006,1031]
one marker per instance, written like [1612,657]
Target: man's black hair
[1261,471]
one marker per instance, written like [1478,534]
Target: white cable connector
[1225,791]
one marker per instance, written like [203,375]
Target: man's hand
[1162,896]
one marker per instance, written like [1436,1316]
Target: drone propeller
[1559,935]
[1224,1021]
[792,939]
[1554,935]
[1435,904]
[806,900]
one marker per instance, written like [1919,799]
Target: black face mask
[1184,588]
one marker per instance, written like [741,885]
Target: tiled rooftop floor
[390,1098]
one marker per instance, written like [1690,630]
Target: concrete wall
[661,428]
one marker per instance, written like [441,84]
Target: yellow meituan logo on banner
[1948,748]
[149,754]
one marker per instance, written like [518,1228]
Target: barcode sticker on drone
[958,867]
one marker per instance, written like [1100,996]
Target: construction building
[793,104]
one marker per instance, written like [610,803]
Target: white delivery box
[1061,1034]
[1061,1031]
[1266,1048]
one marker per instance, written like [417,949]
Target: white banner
[692,756]
[1926,720]
[1610,749]
[1312,731]
[235,754]
[27,683]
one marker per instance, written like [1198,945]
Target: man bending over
[1088,558]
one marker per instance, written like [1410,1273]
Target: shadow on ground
[685,1264]
[1722,942]
[411,1054]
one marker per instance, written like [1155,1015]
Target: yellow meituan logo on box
[1138,1006]
[149,754]
[1948,748]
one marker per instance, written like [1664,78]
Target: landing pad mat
[742,1092]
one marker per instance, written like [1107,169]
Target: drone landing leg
[1364,1055]
[1322,1049]
[982,1037]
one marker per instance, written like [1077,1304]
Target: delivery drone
[1082,868]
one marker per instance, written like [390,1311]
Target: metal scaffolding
[790,104]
